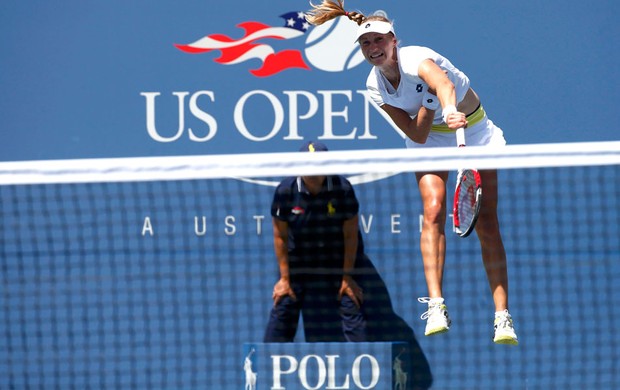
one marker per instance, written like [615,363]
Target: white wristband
[447,110]
[430,101]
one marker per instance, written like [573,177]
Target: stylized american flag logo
[252,45]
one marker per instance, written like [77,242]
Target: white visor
[376,26]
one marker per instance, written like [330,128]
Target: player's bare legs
[433,238]
[494,258]
[491,244]
[433,247]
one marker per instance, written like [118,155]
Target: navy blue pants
[317,302]
[326,319]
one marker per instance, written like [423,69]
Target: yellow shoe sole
[506,340]
[435,331]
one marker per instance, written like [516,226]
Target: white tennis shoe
[437,319]
[504,329]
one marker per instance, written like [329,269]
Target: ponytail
[328,10]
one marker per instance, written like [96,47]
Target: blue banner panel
[281,366]
[121,78]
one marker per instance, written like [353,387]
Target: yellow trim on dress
[472,119]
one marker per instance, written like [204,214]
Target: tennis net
[154,272]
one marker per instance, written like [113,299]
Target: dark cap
[313,146]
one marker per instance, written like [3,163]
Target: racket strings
[468,195]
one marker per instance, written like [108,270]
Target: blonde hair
[328,10]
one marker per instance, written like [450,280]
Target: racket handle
[460,137]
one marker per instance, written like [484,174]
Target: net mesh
[153,273]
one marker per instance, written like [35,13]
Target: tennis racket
[467,195]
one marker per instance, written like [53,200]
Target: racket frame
[460,142]
[462,173]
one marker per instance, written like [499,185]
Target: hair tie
[346,13]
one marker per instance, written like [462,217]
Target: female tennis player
[428,98]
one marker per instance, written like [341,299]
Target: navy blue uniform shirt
[315,236]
